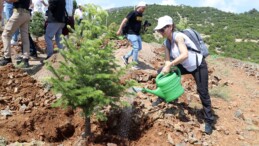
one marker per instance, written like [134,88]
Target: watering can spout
[157,92]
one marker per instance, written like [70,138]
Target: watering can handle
[161,75]
[178,70]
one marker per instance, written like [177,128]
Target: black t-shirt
[134,22]
[25,4]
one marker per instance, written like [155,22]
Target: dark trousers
[201,78]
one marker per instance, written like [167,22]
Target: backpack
[125,29]
[195,37]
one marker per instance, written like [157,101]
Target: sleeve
[130,15]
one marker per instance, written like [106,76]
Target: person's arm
[124,21]
[44,3]
[179,40]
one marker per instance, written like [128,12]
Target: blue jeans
[53,29]
[136,46]
[8,9]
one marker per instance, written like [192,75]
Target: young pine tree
[89,78]
[37,24]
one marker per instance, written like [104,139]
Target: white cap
[141,4]
[163,21]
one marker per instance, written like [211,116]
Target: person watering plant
[131,26]
[189,62]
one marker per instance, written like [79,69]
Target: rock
[22,108]
[30,105]
[59,95]
[111,144]
[10,82]
[240,137]
[205,143]
[181,144]
[170,140]
[160,133]
[239,114]
[46,102]
[178,127]
[16,90]
[6,112]
[2,141]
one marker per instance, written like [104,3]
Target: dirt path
[235,98]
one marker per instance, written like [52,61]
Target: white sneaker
[14,43]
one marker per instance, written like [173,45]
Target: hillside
[234,93]
[234,35]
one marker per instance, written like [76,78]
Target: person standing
[133,21]
[56,21]
[19,19]
[79,14]
[189,62]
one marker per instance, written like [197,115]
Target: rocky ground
[27,116]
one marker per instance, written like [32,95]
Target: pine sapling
[89,77]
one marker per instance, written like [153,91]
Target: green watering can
[168,86]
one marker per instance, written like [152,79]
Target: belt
[21,10]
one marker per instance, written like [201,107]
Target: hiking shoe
[157,102]
[5,61]
[14,43]
[24,63]
[208,128]
[125,60]
[33,55]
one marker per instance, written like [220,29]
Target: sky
[235,6]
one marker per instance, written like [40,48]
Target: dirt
[33,121]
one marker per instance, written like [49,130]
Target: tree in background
[183,22]
[37,25]
[74,6]
[89,77]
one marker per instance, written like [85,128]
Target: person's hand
[166,69]
[118,32]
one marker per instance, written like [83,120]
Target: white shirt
[38,6]
[190,63]
[78,13]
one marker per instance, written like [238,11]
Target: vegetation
[37,24]
[89,78]
[221,28]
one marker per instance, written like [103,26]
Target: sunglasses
[162,30]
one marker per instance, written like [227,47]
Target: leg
[57,35]
[10,27]
[50,32]
[135,47]
[201,78]
[129,37]
[15,35]
[33,51]
[24,28]
[139,42]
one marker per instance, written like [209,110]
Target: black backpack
[125,29]
[195,37]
